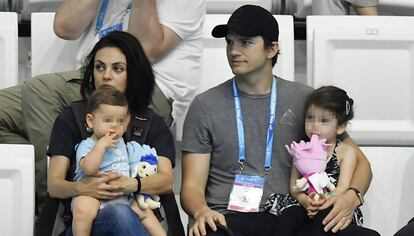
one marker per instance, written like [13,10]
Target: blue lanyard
[101,15]
[270,130]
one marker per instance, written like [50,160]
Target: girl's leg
[291,221]
[84,210]
[317,228]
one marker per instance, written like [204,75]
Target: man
[171,34]
[233,154]
[343,7]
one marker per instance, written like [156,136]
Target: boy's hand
[109,140]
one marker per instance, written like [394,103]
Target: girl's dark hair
[332,99]
[107,95]
[140,77]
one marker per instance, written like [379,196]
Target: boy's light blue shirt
[115,159]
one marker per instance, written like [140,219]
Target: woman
[117,60]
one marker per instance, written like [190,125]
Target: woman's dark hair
[333,99]
[140,77]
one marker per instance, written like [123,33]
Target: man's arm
[156,39]
[73,17]
[368,11]
[195,168]
[345,204]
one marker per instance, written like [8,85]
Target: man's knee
[11,117]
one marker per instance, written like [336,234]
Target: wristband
[359,195]
[139,184]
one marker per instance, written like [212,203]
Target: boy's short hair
[108,95]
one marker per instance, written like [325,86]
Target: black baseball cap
[250,21]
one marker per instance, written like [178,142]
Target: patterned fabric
[333,170]
[279,202]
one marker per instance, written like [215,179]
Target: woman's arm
[159,183]
[73,17]
[96,187]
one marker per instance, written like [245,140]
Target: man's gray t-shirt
[339,7]
[210,127]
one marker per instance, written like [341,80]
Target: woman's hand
[123,184]
[100,186]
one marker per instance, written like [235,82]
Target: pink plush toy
[310,160]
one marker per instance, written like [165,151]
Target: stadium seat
[49,52]
[8,49]
[17,186]
[372,58]
[389,203]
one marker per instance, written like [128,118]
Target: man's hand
[98,187]
[203,217]
[342,212]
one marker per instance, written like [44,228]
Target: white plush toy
[143,163]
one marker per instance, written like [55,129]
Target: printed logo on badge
[246,193]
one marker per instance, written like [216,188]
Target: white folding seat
[17,186]
[228,6]
[49,52]
[214,65]
[8,49]
[389,203]
[371,57]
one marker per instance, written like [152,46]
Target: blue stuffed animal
[143,162]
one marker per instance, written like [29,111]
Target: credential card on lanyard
[246,193]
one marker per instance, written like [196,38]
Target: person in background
[343,7]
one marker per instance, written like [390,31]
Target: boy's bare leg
[84,210]
[149,220]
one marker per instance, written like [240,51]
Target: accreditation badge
[246,193]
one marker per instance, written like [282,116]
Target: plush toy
[310,160]
[143,163]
